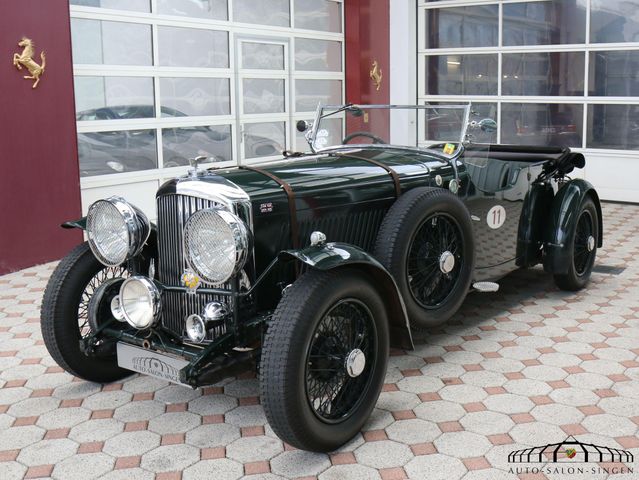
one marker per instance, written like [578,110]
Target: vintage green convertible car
[309,268]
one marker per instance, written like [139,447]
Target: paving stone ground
[526,366]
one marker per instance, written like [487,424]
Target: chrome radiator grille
[173,212]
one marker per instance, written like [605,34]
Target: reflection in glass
[557,73]
[262,56]
[330,133]
[480,111]
[102,153]
[110,43]
[212,9]
[614,21]
[444,124]
[195,96]
[318,55]
[613,126]
[475,26]
[263,95]
[273,12]
[193,47]
[544,23]
[461,74]
[135,5]
[308,93]
[264,139]
[324,15]
[106,98]
[614,74]
[180,144]
[541,124]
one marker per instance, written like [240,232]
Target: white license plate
[150,363]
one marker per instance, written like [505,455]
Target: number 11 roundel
[496,217]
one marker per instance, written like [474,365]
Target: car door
[494,196]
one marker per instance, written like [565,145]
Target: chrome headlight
[116,230]
[216,243]
[139,302]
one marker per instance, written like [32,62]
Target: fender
[532,222]
[330,256]
[563,217]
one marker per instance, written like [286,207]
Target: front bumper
[195,366]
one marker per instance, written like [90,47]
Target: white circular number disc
[496,216]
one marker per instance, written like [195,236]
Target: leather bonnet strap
[290,194]
[391,172]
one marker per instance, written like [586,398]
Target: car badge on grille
[190,280]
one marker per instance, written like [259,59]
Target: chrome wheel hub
[446,262]
[355,363]
[590,243]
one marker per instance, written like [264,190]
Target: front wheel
[324,359]
[65,314]
[582,249]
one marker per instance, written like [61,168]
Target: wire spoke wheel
[340,359]
[434,260]
[578,256]
[584,243]
[98,279]
[74,288]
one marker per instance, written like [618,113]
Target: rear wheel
[426,243]
[582,249]
[324,359]
[65,314]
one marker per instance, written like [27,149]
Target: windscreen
[437,127]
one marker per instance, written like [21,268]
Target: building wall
[550,72]
[39,166]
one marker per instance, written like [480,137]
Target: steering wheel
[372,136]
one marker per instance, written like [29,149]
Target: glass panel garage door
[550,72]
[262,100]
[160,81]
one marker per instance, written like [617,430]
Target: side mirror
[488,125]
[356,111]
[302,126]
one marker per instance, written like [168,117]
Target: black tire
[290,380]
[431,296]
[62,316]
[582,258]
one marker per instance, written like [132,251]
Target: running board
[485,287]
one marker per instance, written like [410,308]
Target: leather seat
[491,174]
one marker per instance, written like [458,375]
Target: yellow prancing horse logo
[376,75]
[26,59]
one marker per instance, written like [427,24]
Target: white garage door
[160,81]
[549,72]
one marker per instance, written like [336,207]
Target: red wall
[39,180]
[367,37]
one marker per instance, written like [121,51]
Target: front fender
[339,255]
[564,214]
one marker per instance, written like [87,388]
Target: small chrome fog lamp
[140,302]
[195,328]
[214,312]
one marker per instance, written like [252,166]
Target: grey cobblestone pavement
[526,366]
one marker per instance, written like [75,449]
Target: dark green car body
[345,193]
